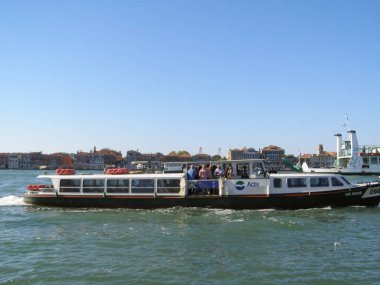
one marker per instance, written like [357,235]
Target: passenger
[213,171]
[230,173]
[244,173]
[210,174]
[196,172]
[209,171]
[219,172]
[191,173]
[203,173]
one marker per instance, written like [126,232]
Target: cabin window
[118,186]
[296,182]
[277,183]
[69,185]
[373,160]
[93,185]
[365,160]
[168,186]
[142,186]
[336,182]
[319,182]
[345,180]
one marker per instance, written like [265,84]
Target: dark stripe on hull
[280,201]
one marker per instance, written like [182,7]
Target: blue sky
[171,75]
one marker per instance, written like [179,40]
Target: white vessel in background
[351,158]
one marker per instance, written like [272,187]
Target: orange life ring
[37,187]
[65,171]
[117,171]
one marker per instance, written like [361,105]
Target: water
[40,245]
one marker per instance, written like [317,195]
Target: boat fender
[37,187]
[65,171]
[117,171]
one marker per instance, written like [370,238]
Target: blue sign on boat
[204,184]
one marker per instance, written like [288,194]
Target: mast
[346,123]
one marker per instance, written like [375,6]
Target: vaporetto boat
[259,190]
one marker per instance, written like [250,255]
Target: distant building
[306,157]
[82,160]
[323,159]
[96,161]
[201,157]
[24,161]
[4,159]
[156,160]
[59,160]
[178,157]
[273,156]
[14,161]
[112,157]
[132,155]
[32,160]
[37,160]
[244,153]
[104,158]
[150,160]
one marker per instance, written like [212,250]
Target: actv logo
[240,185]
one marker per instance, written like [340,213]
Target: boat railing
[198,187]
[370,149]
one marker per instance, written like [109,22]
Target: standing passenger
[196,172]
[209,171]
[219,172]
[203,173]
[213,171]
[230,173]
[244,173]
[191,173]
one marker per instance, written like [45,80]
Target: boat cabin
[128,184]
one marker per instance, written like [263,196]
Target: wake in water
[11,200]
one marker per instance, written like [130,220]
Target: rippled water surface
[41,245]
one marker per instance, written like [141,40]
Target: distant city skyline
[160,76]
[95,149]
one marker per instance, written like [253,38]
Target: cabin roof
[120,176]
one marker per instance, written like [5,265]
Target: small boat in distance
[351,159]
[249,187]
